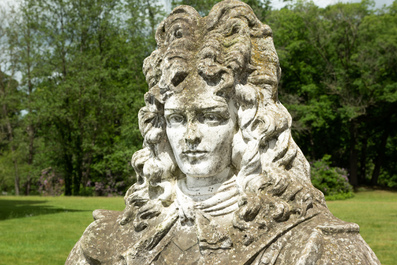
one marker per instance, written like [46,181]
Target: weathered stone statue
[220,179]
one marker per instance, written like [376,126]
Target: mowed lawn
[43,230]
[376,213]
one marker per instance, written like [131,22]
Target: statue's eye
[176,119]
[212,118]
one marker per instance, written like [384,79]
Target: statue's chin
[199,177]
[203,169]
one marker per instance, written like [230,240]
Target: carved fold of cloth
[300,243]
[222,203]
[188,232]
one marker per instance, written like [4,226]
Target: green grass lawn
[376,213]
[43,230]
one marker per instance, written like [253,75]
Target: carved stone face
[200,129]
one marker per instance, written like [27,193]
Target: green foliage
[83,88]
[6,172]
[10,146]
[332,181]
[338,82]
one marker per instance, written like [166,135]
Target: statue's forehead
[193,99]
[195,94]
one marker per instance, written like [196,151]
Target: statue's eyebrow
[214,108]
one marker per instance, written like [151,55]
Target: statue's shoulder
[324,240]
[97,244]
[339,242]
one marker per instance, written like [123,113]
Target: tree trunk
[353,154]
[14,160]
[363,161]
[16,179]
[30,128]
[66,142]
[68,174]
[380,156]
[78,174]
[28,185]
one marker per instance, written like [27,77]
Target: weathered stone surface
[220,179]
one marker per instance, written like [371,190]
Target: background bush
[332,181]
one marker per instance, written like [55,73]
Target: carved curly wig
[234,53]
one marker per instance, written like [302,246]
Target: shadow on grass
[10,209]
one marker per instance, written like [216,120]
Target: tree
[9,96]
[377,46]
[28,45]
[338,80]
[91,81]
[10,108]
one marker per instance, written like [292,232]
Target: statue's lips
[194,153]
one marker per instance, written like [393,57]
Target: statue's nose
[193,135]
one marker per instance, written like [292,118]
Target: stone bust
[219,179]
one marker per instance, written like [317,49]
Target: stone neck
[197,182]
